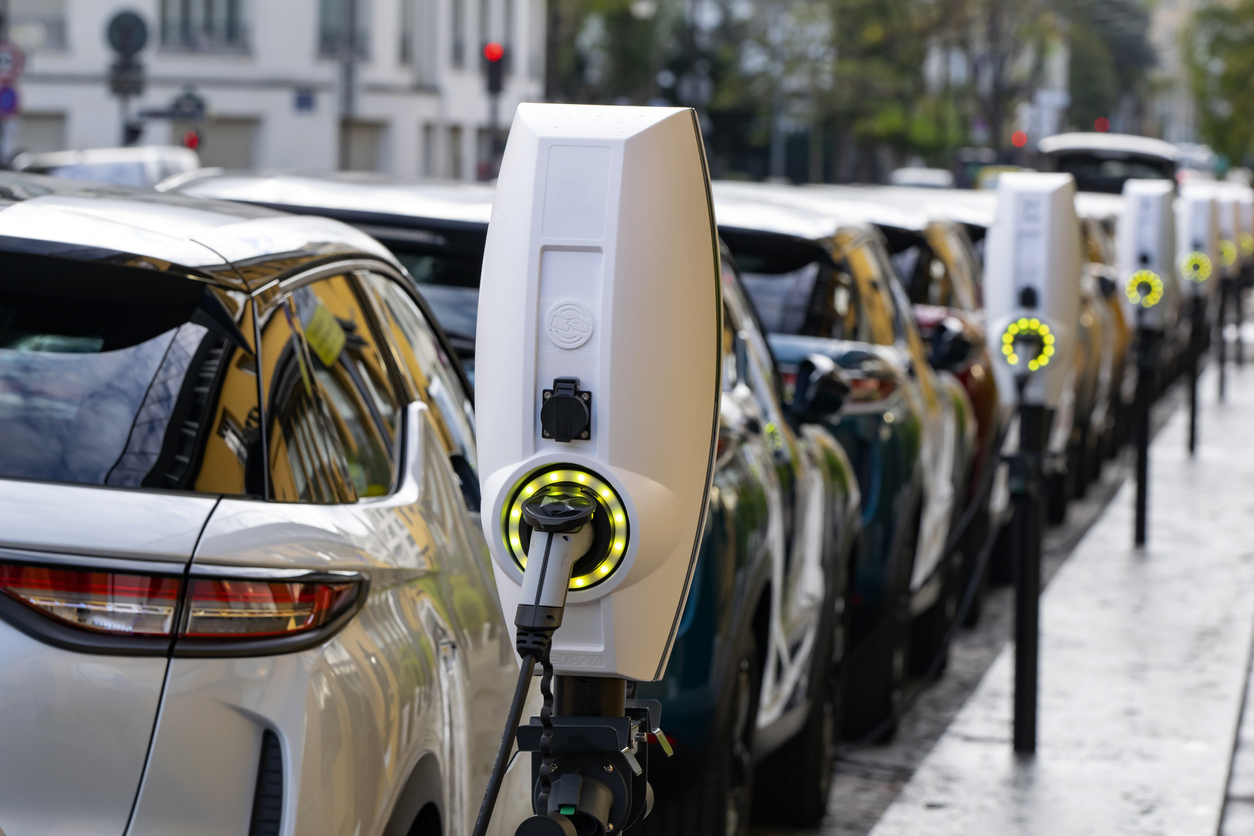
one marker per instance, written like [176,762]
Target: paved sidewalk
[1143,666]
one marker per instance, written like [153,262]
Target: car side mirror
[822,388]
[951,346]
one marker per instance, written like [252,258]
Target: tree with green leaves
[1218,46]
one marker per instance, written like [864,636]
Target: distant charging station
[1032,305]
[1147,254]
[1197,260]
[1228,198]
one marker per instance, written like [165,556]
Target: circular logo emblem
[569,325]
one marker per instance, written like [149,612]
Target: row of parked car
[245,585]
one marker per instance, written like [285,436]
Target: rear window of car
[1095,172]
[446,264]
[113,375]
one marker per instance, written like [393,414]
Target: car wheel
[794,782]
[718,799]
[973,542]
[877,675]
[877,669]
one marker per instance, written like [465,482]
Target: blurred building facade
[1173,111]
[395,86]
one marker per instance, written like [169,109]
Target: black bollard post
[1146,362]
[1238,305]
[1223,340]
[1197,315]
[1028,523]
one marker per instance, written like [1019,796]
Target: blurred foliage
[1111,56]
[856,84]
[1218,48]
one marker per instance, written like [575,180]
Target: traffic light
[494,55]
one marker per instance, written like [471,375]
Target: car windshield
[120,174]
[1096,173]
[112,376]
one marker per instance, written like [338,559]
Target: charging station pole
[1197,317]
[1027,530]
[1223,339]
[1146,363]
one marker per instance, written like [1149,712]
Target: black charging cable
[533,645]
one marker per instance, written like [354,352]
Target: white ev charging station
[1147,255]
[1145,242]
[597,369]
[1032,305]
[1032,285]
[1198,260]
[1228,196]
[1197,239]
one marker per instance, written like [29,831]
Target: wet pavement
[1145,660]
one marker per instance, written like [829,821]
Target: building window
[204,25]
[419,47]
[458,18]
[365,146]
[453,168]
[407,32]
[38,24]
[338,20]
[429,149]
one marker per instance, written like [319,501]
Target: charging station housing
[1146,247]
[601,284]
[1033,273]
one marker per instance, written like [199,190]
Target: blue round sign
[8,101]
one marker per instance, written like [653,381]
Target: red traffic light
[1018,139]
[1102,124]
[191,140]
[493,52]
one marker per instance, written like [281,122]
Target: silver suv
[243,588]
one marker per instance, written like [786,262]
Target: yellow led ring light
[1227,252]
[1136,281]
[609,542]
[1196,267]
[1028,328]
[1247,243]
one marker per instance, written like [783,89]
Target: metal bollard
[1028,526]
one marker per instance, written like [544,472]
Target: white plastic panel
[602,227]
[1033,255]
[1147,249]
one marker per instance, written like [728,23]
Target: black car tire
[876,677]
[972,545]
[718,799]
[877,671]
[793,784]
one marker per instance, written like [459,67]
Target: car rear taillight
[241,609]
[120,604]
[138,614]
[865,389]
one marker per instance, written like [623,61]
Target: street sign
[10,101]
[12,61]
[127,33]
[188,106]
[126,77]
